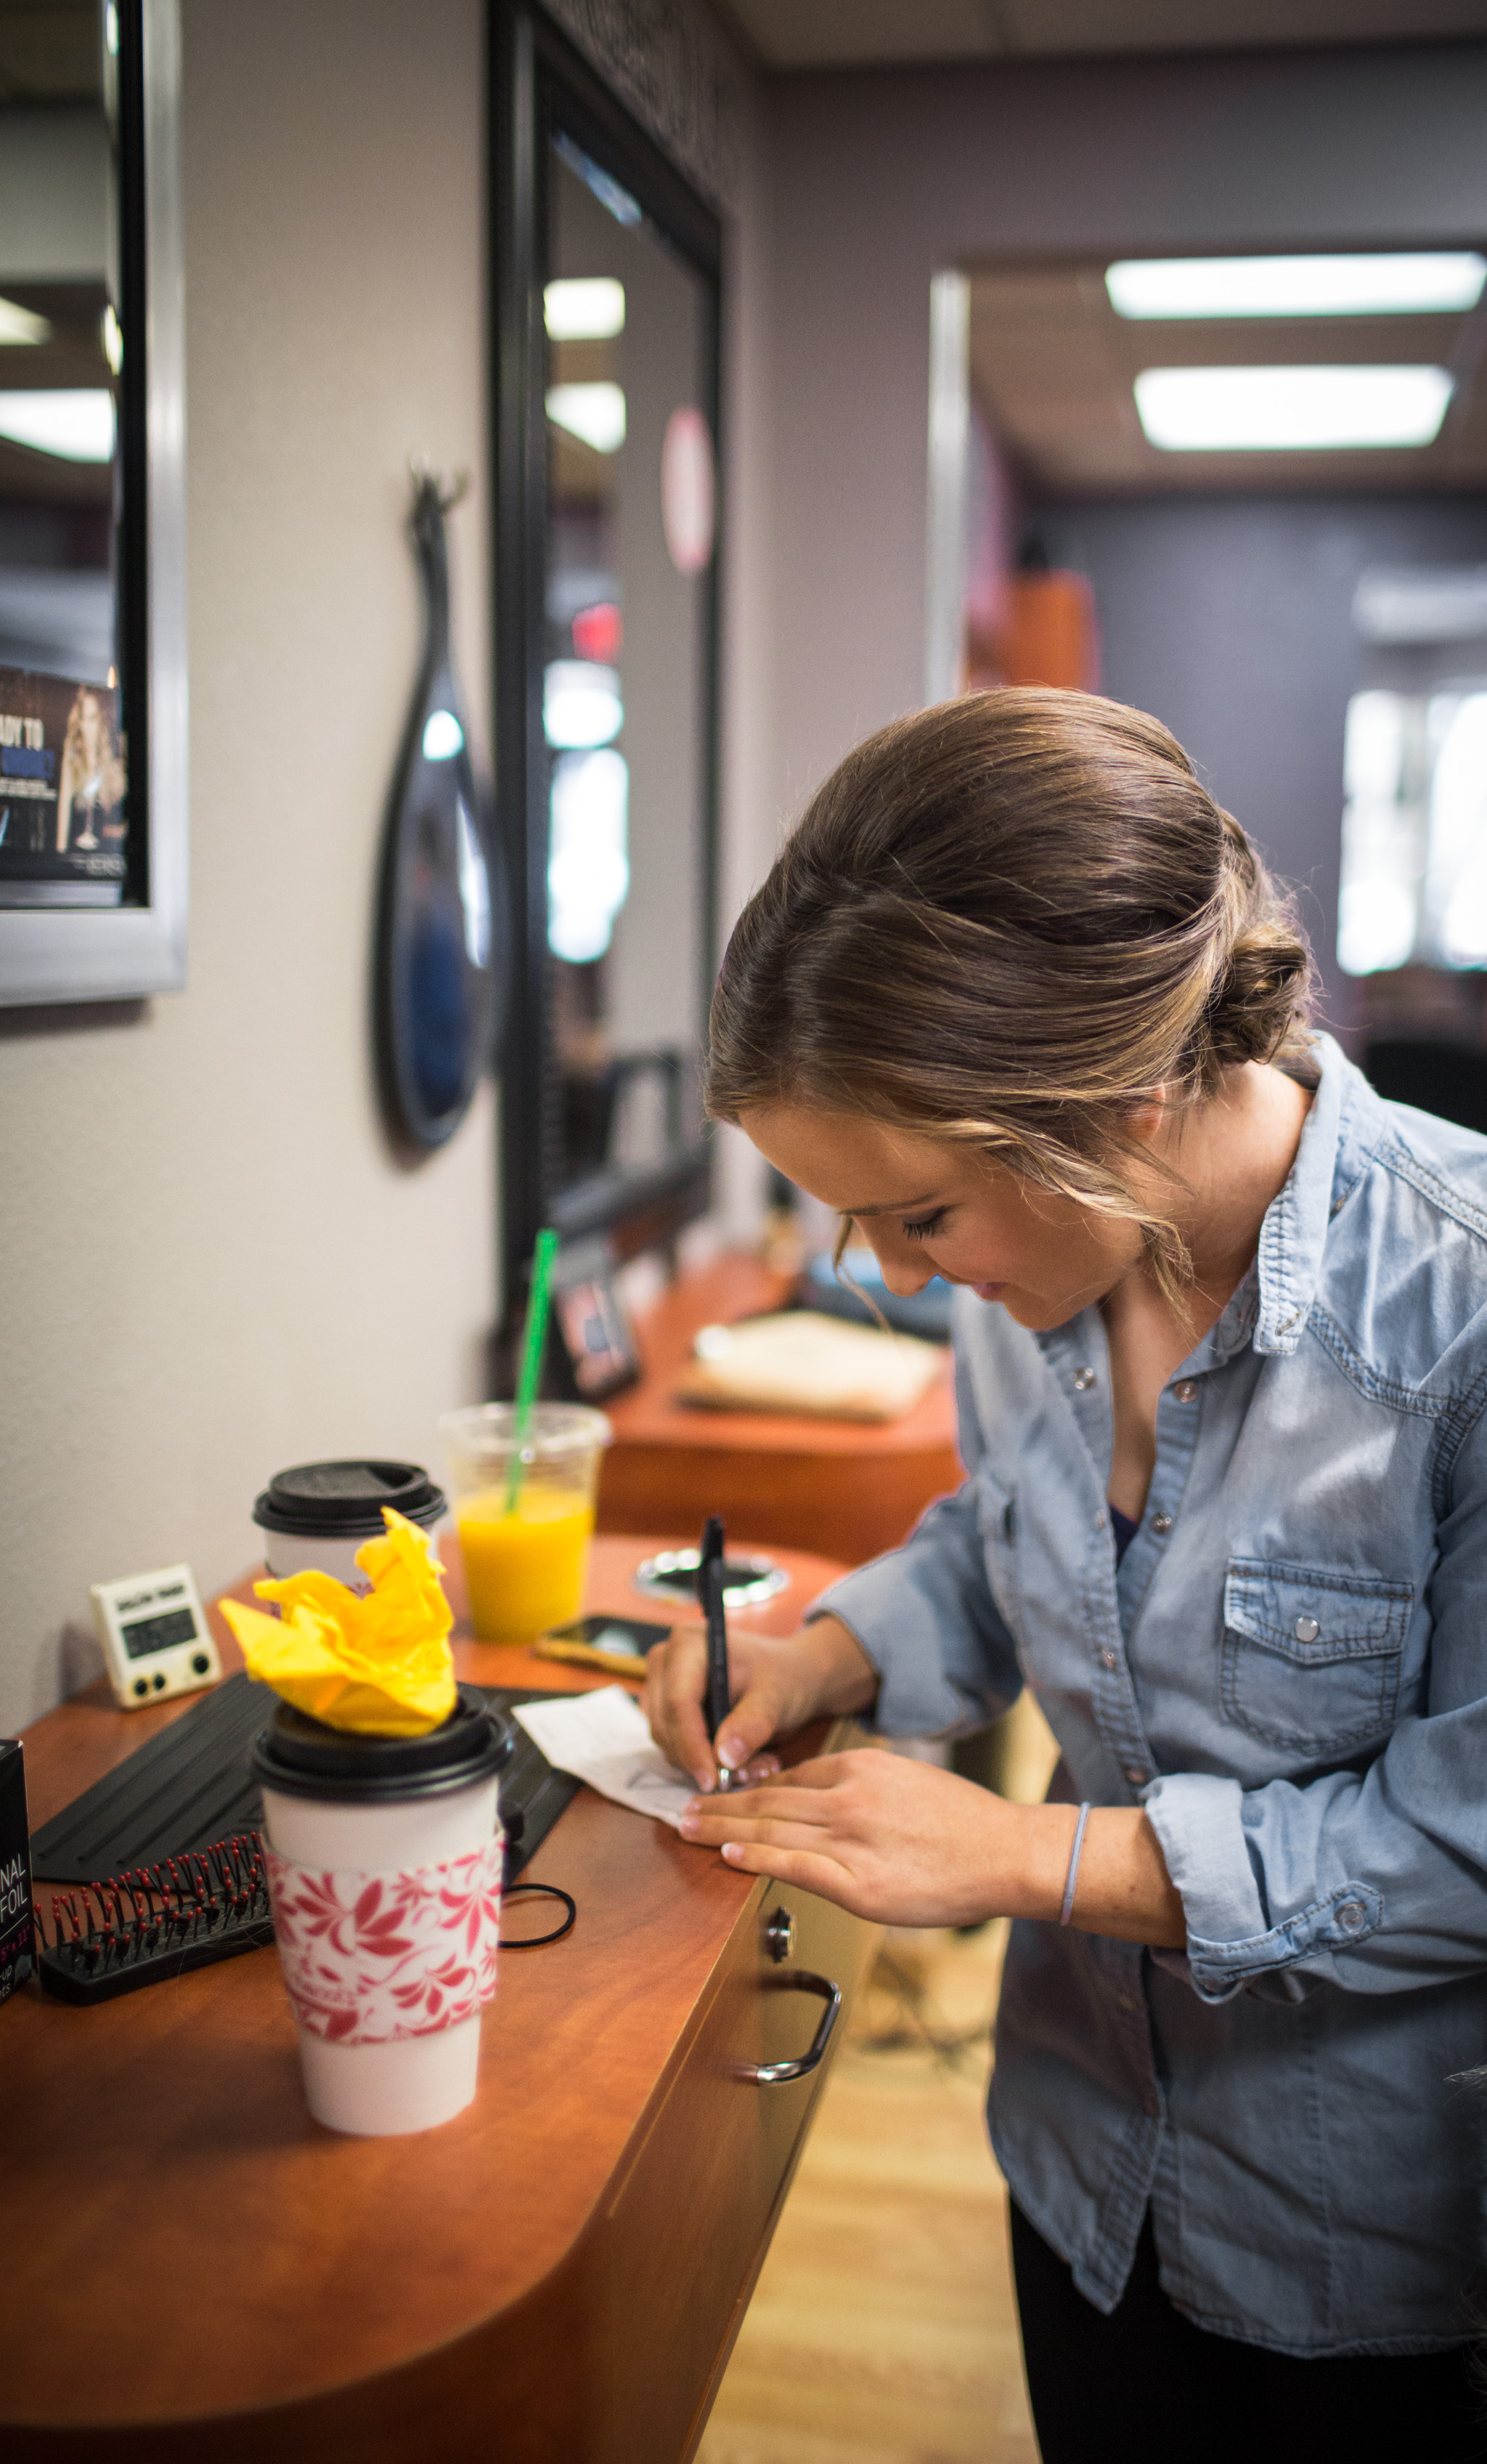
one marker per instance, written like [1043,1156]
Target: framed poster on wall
[93,751]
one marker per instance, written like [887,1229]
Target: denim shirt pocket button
[1312,1654]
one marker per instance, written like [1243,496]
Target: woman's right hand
[778,1686]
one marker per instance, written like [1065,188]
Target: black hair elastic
[546,1891]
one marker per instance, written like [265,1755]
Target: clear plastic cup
[524,1563]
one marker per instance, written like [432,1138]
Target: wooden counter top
[194,2267]
[849,1488]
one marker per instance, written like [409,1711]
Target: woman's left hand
[905,1843]
[896,1841]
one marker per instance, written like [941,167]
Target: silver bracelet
[1067,1912]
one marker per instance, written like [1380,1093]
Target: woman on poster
[91,781]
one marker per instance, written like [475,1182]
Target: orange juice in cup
[525,1558]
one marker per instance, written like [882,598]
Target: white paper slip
[604,1738]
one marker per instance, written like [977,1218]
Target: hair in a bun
[1262,992]
[1007,921]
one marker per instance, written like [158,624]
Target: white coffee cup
[419,1817]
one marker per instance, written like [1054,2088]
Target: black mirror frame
[49,955]
[539,81]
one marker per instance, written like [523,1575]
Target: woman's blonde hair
[1008,922]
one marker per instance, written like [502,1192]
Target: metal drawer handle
[776,2074]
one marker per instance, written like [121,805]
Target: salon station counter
[193,2268]
[847,1487]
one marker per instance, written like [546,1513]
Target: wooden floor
[883,2329]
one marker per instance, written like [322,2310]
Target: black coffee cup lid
[344,1501]
[304,1758]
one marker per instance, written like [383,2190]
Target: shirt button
[1350,1915]
[1185,1390]
[1135,1775]
[1307,1629]
[1161,1525]
[1084,1379]
[1107,1659]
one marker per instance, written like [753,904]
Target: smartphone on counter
[617,1645]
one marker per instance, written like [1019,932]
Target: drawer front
[668,2266]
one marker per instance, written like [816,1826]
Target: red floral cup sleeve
[370,1958]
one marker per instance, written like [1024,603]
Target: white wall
[210,1263]
[879,178]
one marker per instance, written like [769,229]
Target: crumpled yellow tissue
[376,1664]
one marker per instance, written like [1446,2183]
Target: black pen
[709,1586]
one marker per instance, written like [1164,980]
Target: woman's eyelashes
[926,1225]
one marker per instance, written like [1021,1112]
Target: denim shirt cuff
[1197,1819]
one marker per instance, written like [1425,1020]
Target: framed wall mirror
[93,746]
[606,341]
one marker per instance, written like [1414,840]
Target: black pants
[1145,2384]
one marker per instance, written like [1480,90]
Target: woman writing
[1023,1002]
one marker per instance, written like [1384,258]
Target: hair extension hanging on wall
[443,937]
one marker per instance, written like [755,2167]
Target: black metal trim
[608,131]
[538,81]
[132,528]
[638,1209]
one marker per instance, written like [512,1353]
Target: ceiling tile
[1053,368]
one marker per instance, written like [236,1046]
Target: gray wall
[1231,618]
[211,1264]
[882,177]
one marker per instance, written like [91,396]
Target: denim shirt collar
[1294,1232]
[1271,1305]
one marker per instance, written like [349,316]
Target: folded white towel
[802,1362]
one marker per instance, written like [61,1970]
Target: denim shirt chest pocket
[1311,1657]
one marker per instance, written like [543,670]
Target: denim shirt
[1289,1672]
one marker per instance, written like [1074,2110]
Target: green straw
[540,1301]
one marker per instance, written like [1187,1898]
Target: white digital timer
[154,1636]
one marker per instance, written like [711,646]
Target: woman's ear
[1149,1120]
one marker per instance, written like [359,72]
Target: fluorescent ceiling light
[19,324]
[594,412]
[1296,286]
[588,873]
[588,309]
[1290,409]
[76,425]
[580,704]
